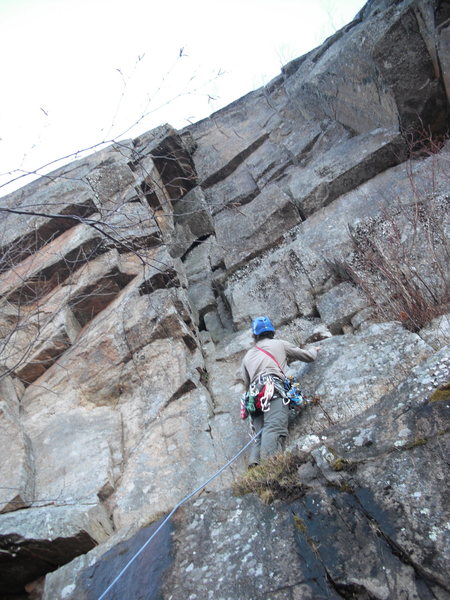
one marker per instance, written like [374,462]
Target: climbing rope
[176,507]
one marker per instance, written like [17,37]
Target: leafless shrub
[420,141]
[401,262]
[401,258]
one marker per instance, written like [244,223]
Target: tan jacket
[257,363]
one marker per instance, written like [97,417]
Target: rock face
[341,535]
[128,280]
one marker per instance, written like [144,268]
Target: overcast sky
[77,72]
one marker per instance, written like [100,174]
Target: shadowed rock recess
[128,280]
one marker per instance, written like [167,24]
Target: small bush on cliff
[276,478]
[400,259]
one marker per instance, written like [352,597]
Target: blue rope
[176,507]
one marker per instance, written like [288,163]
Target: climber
[266,363]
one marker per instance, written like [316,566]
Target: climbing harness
[261,391]
[291,393]
[176,507]
[257,399]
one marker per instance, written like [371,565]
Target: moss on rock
[441,394]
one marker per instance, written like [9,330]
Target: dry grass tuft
[441,394]
[274,479]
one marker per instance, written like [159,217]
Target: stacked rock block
[331,144]
[97,339]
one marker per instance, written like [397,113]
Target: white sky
[75,73]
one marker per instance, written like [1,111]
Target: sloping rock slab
[108,396]
[391,465]
[231,135]
[36,541]
[233,549]
[76,453]
[152,481]
[344,548]
[437,333]
[237,189]
[284,281]
[338,305]
[88,577]
[352,372]
[277,285]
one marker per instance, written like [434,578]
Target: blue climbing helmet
[262,325]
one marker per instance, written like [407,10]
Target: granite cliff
[128,282]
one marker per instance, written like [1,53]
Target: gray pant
[275,423]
